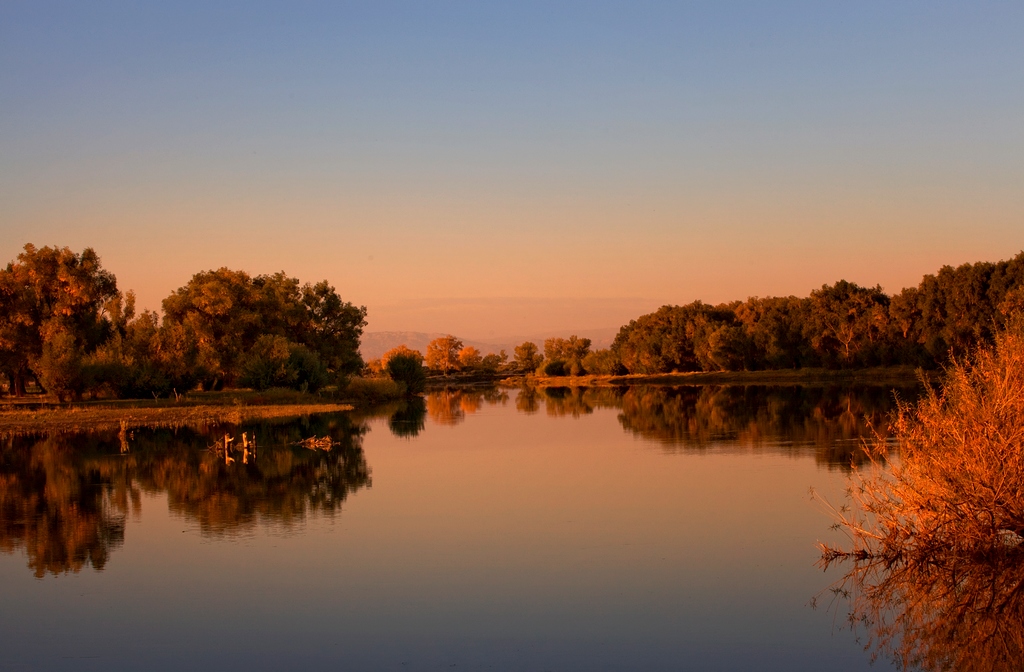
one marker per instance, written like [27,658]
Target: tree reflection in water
[450,406]
[65,499]
[409,418]
[962,614]
[835,420]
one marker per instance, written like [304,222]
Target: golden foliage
[936,535]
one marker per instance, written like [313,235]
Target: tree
[332,328]
[603,363]
[402,350]
[665,340]
[492,362]
[229,311]
[774,327]
[274,361]
[407,368]
[53,293]
[60,365]
[443,353]
[470,357]
[569,351]
[527,356]
[844,318]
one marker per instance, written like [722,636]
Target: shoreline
[105,417]
[882,376]
[807,377]
[42,416]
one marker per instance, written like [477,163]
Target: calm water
[652,529]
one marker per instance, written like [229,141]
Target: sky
[489,168]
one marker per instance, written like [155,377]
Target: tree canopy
[842,325]
[65,325]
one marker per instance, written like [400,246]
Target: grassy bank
[39,414]
[86,417]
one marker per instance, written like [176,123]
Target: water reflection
[65,499]
[833,420]
[450,406]
[409,418]
[951,613]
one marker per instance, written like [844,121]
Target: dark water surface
[567,529]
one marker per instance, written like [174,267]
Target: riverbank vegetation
[937,536]
[839,327]
[68,330]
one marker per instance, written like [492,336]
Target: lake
[562,529]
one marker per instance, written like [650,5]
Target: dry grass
[958,487]
[935,536]
[93,418]
[230,406]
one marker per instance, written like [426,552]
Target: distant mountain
[376,343]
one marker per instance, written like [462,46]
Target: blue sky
[626,154]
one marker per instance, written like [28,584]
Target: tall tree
[52,313]
[527,356]
[845,317]
[470,357]
[229,311]
[443,353]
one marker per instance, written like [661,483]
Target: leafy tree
[266,364]
[332,328]
[603,363]
[555,367]
[774,327]
[492,362]
[443,353]
[665,340]
[310,374]
[53,293]
[229,311]
[470,357]
[400,350]
[274,361]
[723,347]
[60,365]
[407,368]
[569,351]
[527,356]
[845,318]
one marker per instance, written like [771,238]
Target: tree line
[843,325]
[65,326]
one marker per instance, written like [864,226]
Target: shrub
[276,362]
[60,367]
[308,371]
[553,368]
[603,363]
[266,365]
[408,370]
[371,390]
[938,536]
[959,484]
